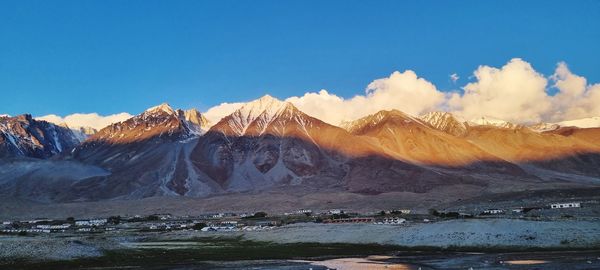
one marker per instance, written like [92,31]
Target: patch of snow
[542,127]
[590,122]
[486,121]
[55,139]
[264,110]
[441,120]
[13,141]
[164,107]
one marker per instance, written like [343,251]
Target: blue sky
[65,57]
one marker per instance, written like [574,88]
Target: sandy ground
[454,234]
[47,248]
[484,233]
[19,209]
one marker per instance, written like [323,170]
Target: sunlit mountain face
[270,145]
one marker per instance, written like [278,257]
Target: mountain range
[269,146]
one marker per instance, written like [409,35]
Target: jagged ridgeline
[268,145]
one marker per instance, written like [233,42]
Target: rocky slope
[411,139]
[82,133]
[268,145]
[549,151]
[556,151]
[445,122]
[147,155]
[23,136]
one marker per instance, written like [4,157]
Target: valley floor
[306,241]
[455,198]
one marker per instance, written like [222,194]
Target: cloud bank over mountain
[92,120]
[401,90]
[576,98]
[215,113]
[515,92]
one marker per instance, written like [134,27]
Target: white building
[229,222]
[37,220]
[91,222]
[54,227]
[393,221]
[565,205]
[304,211]
[335,211]
[218,229]
[493,211]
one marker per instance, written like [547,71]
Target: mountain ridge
[269,145]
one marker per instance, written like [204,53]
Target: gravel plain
[468,234]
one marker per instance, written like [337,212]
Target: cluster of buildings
[351,220]
[565,205]
[368,220]
[91,222]
[525,209]
[51,226]
[214,226]
[221,222]
[392,221]
[298,212]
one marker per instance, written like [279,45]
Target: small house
[565,205]
[493,211]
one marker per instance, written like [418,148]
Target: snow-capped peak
[266,108]
[446,122]
[437,119]
[590,122]
[377,118]
[164,107]
[34,138]
[542,127]
[487,121]
[4,115]
[266,103]
[196,122]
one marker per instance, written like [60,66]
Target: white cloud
[575,98]
[215,113]
[515,92]
[93,120]
[402,91]
[518,93]
[454,77]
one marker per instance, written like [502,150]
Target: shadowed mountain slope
[23,136]
[269,146]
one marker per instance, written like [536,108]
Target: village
[259,221]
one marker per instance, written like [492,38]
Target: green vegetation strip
[209,249]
